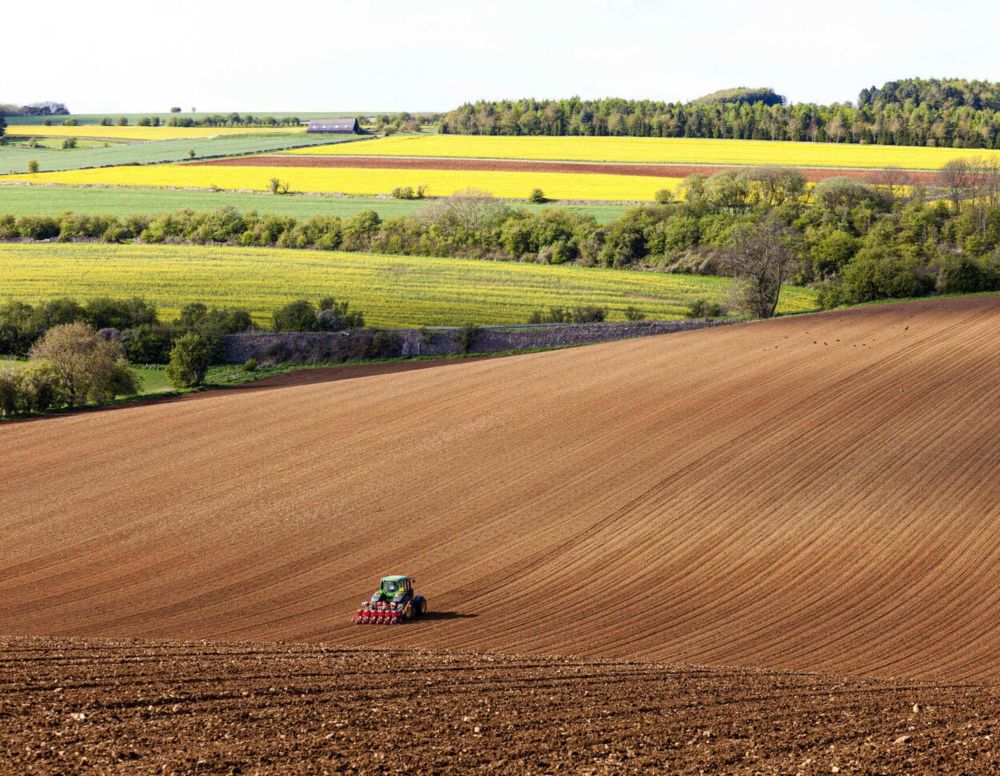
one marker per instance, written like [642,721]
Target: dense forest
[954,113]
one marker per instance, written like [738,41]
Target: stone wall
[306,347]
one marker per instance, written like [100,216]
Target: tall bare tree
[891,181]
[762,257]
[956,177]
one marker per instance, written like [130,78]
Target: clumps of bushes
[190,358]
[71,364]
[385,344]
[363,344]
[135,326]
[72,226]
[328,315]
[408,192]
[34,387]
[466,336]
[587,314]
[133,323]
[537,197]
[703,308]
[468,224]
[966,275]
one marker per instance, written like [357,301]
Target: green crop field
[14,158]
[120,201]
[390,290]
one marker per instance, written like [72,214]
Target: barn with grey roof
[334,126]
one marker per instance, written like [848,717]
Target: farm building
[334,126]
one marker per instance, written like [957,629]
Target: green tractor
[393,602]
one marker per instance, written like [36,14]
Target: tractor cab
[395,588]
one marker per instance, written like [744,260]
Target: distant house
[334,126]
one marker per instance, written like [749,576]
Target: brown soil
[155,707]
[815,493]
[811,174]
[326,374]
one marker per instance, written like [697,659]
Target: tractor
[393,602]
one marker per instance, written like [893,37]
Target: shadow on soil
[448,616]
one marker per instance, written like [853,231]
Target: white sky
[388,55]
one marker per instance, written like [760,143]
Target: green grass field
[120,201]
[14,158]
[53,143]
[392,291]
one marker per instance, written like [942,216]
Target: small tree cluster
[134,323]
[703,308]
[586,314]
[328,315]
[408,192]
[190,358]
[34,387]
[71,364]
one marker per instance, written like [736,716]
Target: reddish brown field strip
[140,707]
[811,174]
[816,493]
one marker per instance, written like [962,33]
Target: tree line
[953,113]
[854,240]
[145,339]
[34,109]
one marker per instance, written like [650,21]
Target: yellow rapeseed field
[656,150]
[508,185]
[143,133]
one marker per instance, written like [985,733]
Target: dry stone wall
[311,347]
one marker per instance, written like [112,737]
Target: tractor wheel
[419,607]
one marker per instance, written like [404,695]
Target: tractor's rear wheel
[419,607]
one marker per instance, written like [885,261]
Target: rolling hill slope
[818,493]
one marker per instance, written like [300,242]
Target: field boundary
[315,347]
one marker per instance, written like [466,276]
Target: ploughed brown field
[811,174]
[141,707]
[811,494]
